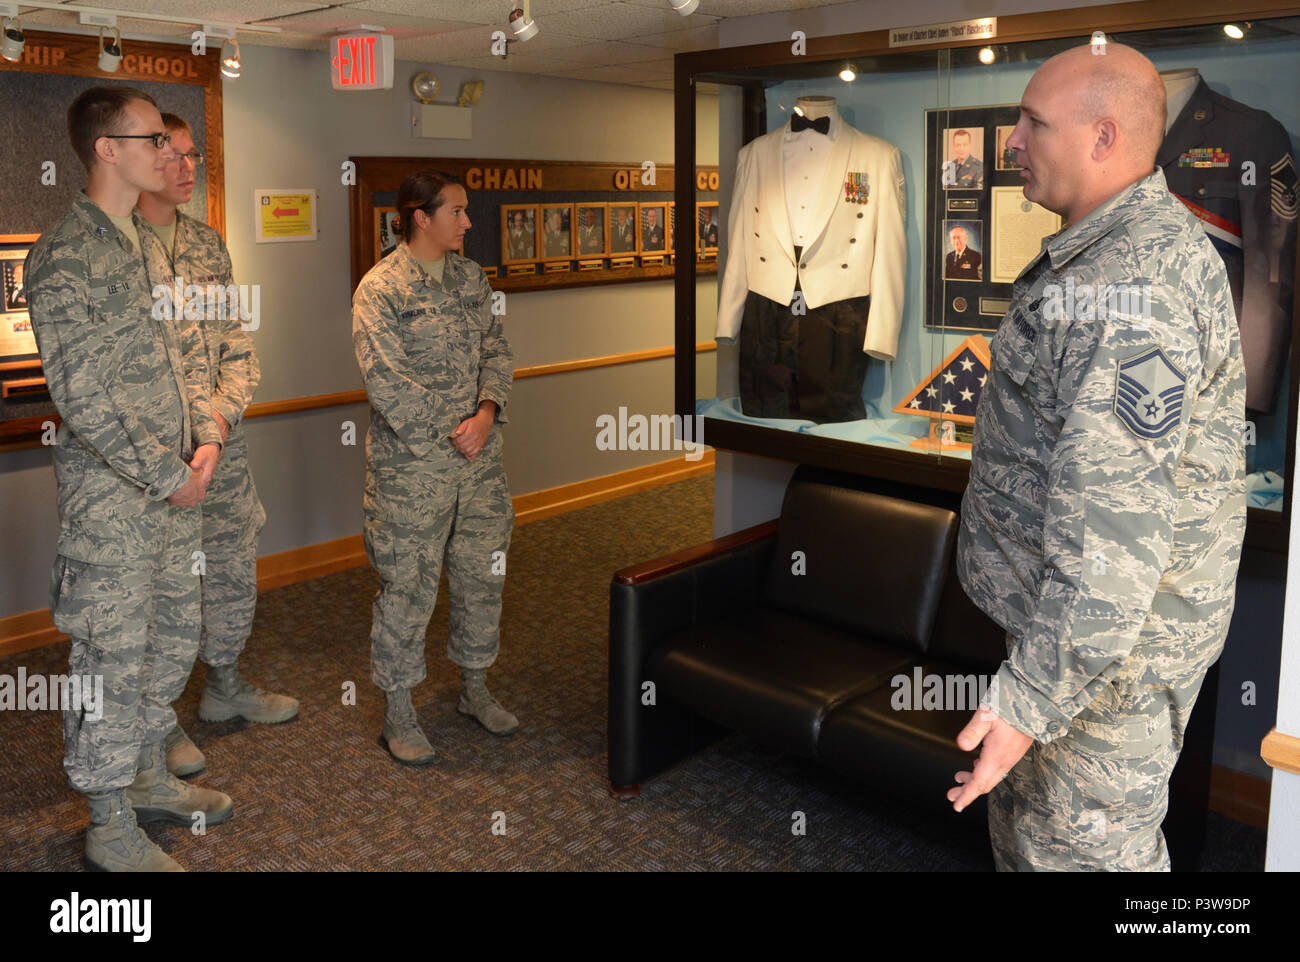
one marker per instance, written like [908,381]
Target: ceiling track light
[684,8]
[230,64]
[522,23]
[849,73]
[13,40]
[110,54]
[1234,31]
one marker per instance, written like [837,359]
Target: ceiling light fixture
[110,54]
[1233,31]
[849,73]
[231,67]
[684,8]
[987,55]
[13,41]
[522,23]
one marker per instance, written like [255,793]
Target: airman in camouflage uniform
[432,354]
[181,251]
[123,585]
[1103,521]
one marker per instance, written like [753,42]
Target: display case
[926,214]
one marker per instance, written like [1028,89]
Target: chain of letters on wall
[539,225]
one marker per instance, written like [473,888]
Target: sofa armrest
[651,600]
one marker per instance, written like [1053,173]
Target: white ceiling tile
[223,11]
[697,38]
[743,8]
[339,19]
[616,20]
[473,11]
[537,65]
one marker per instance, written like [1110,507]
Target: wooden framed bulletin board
[41,175]
[499,188]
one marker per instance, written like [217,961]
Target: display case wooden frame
[735,66]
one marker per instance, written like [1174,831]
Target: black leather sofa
[794,631]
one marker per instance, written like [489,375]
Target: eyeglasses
[159,140]
[195,157]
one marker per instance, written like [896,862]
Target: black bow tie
[799,122]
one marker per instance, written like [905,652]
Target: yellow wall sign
[284,215]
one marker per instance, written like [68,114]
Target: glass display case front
[872,220]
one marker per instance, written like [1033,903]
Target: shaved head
[1123,85]
[1092,120]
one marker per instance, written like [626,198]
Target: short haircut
[173,122]
[422,190]
[99,112]
[961,133]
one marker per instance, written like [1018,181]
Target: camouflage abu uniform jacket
[428,353]
[1103,521]
[120,378]
[199,257]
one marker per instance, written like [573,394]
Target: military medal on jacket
[857,189]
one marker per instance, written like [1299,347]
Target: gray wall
[285,128]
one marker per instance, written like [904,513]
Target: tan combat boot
[159,796]
[402,735]
[476,702]
[227,696]
[183,756]
[114,842]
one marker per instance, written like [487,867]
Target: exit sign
[362,61]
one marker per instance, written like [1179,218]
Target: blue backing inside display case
[1263,74]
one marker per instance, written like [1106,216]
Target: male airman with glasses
[133,459]
[183,253]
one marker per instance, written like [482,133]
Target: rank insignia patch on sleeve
[1149,393]
[1282,184]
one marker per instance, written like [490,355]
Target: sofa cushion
[907,751]
[871,564]
[770,674]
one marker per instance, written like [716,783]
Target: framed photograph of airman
[557,232]
[652,218]
[706,229]
[386,237]
[518,234]
[622,229]
[17,340]
[980,229]
[593,229]
[1006,157]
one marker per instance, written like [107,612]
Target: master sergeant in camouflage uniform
[1103,522]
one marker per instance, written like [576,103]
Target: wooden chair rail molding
[1282,751]
[317,401]
[534,370]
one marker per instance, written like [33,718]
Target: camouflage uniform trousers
[232,522]
[1094,799]
[137,625]
[414,512]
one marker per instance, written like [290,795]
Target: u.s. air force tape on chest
[1149,392]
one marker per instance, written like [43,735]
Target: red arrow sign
[285,212]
